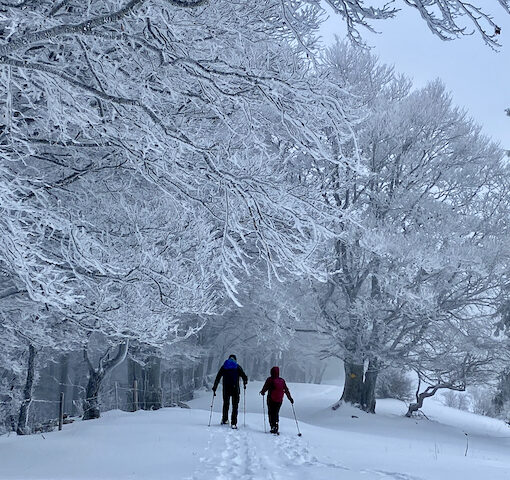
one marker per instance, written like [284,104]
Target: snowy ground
[176,444]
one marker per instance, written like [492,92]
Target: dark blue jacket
[230,371]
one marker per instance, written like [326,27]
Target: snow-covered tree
[448,19]
[144,151]
[423,240]
[454,353]
[155,153]
[85,99]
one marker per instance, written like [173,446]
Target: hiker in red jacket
[276,387]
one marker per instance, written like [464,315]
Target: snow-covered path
[247,454]
[177,444]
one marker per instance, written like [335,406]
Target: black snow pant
[273,411]
[229,393]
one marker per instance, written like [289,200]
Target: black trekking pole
[212,403]
[294,412]
[264,413]
[244,407]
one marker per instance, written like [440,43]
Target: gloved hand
[245,386]
[261,393]
[291,400]
[214,392]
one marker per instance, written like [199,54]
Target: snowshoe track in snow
[239,458]
[297,453]
[246,454]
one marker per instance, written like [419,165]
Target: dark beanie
[233,356]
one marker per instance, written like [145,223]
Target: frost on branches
[156,153]
[448,19]
[423,265]
[144,159]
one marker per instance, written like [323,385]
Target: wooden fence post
[61,411]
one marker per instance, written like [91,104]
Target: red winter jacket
[276,387]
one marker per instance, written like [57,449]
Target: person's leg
[235,406]
[226,405]
[270,413]
[277,407]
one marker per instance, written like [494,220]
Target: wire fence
[43,413]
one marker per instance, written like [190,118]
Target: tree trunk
[64,378]
[353,385]
[76,393]
[91,402]
[255,369]
[153,384]
[210,361]
[319,373]
[368,394]
[186,390]
[23,428]
[414,407]
[200,375]
[430,392]
[132,374]
[96,376]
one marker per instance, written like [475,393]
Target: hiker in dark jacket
[230,371]
[276,387]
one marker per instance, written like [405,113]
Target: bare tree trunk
[319,373]
[96,376]
[64,377]
[76,393]
[186,387]
[368,394]
[429,392]
[199,375]
[91,402]
[370,381]
[132,374]
[142,389]
[255,369]
[210,361]
[353,385]
[153,399]
[23,428]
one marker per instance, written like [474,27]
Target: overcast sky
[477,76]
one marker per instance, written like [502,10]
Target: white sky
[477,76]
